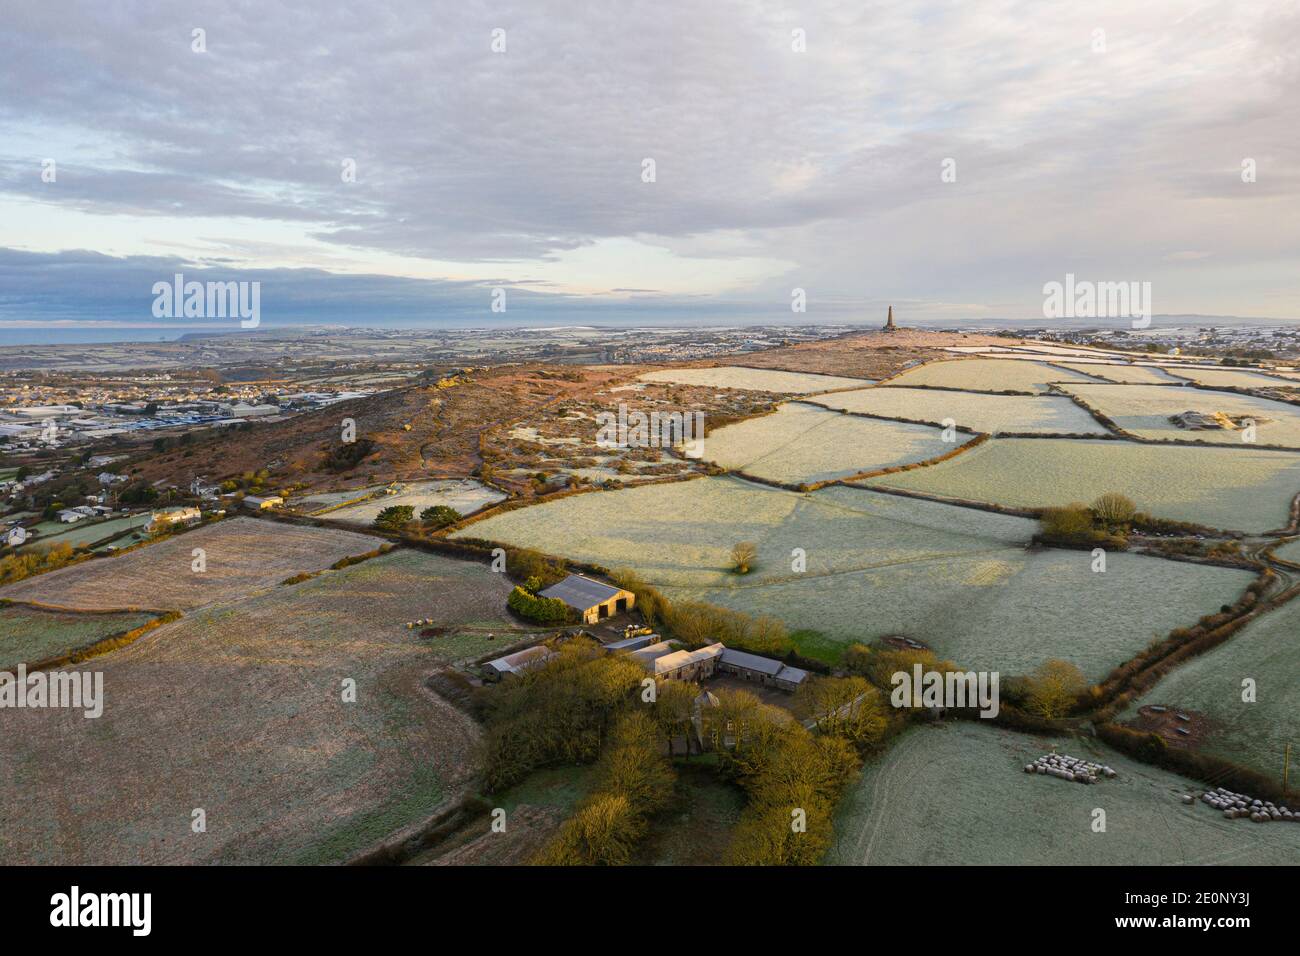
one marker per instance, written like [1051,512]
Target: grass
[463,495]
[696,828]
[1241,489]
[801,443]
[877,565]
[1127,374]
[987,375]
[1144,410]
[1267,651]
[241,705]
[243,555]
[957,794]
[985,413]
[1230,377]
[29,635]
[757,379]
[84,533]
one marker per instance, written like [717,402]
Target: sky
[398,162]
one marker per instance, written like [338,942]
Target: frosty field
[802,443]
[1268,651]
[242,705]
[29,635]
[757,379]
[1242,489]
[877,565]
[1049,414]
[1128,374]
[465,496]
[987,375]
[242,555]
[957,794]
[1144,410]
[1230,377]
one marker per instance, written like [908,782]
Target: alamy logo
[74,690]
[635,429]
[1098,300]
[179,299]
[134,910]
[923,688]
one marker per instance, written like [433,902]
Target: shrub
[439,516]
[394,517]
[1053,688]
[539,610]
[1114,510]
[742,556]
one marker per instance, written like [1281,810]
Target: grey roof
[792,675]
[521,660]
[647,655]
[579,592]
[751,662]
[632,643]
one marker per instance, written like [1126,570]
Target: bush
[539,610]
[439,516]
[1114,510]
[394,517]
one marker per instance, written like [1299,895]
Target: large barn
[592,600]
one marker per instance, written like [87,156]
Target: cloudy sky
[795,145]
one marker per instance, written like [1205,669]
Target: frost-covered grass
[1128,374]
[1145,410]
[985,413]
[28,635]
[1231,377]
[1241,489]
[1267,651]
[877,565]
[465,495]
[802,443]
[987,375]
[957,794]
[1289,551]
[756,379]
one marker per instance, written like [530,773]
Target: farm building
[260,503]
[592,600]
[69,515]
[633,643]
[687,665]
[518,662]
[646,656]
[762,670]
[173,517]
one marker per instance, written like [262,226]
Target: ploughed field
[802,443]
[1254,733]
[957,794]
[1145,411]
[1048,414]
[29,635]
[1240,489]
[237,709]
[758,379]
[242,555]
[959,579]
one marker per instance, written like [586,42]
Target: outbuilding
[592,600]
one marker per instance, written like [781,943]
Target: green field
[1144,410]
[81,534]
[756,379]
[877,564]
[1049,414]
[241,704]
[465,496]
[1268,652]
[1241,489]
[802,443]
[956,794]
[28,635]
[1289,551]
[987,375]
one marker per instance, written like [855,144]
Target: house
[15,536]
[262,503]
[646,656]
[518,662]
[761,670]
[592,600]
[107,478]
[69,515]
[172,517]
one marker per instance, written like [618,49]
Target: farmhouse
[687,665]
[69,515]
[518,662]
[592,600]
[667,661]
